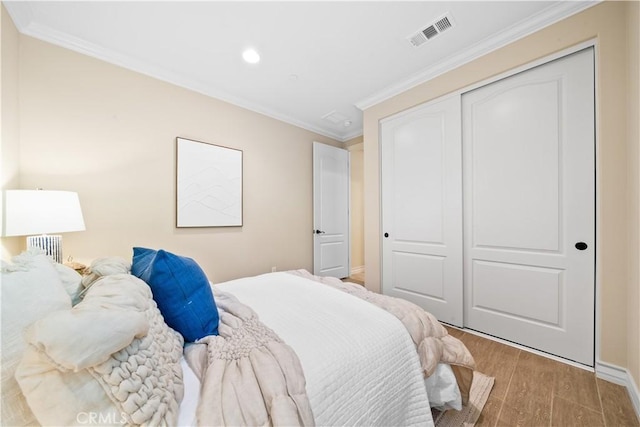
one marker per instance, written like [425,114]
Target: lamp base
[51,244]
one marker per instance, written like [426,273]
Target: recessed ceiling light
[251,56]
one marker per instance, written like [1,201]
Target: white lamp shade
[30,212]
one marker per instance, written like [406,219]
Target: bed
[358,361]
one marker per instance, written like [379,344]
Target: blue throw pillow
[181,290]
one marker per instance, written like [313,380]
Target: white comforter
[360,364]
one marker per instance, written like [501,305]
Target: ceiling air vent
[432,30]
[335,117]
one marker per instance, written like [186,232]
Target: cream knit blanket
[249,376]
[110,359]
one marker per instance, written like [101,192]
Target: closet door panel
[421,208]
[417,189]
[505,288]
[529,203]
[420,273]
[506,169]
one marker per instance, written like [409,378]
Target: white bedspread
[189,404]
[360,364]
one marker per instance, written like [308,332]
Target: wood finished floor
[356,278]
[532,390]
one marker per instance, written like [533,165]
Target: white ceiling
[317,57]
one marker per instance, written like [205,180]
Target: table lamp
[35,213]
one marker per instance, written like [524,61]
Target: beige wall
[604,23]
[633,117]
[109,134]
[10,135]
[357,204]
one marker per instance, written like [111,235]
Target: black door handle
[581,246]
[319,232]
[386,234]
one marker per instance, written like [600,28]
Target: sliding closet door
[529,200]
[422,208]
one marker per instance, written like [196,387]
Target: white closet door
[529,199]
[422,208]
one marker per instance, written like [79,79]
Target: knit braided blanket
[111,360]
[249,376]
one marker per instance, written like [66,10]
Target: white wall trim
[535,23]
[357,270]
[623,377]
[23,19]
[25,25]
[21,16]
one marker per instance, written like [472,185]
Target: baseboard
[356,270]
[621,376]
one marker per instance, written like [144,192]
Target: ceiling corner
[21,14]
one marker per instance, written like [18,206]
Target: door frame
[598,208]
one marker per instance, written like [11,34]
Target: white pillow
[106,266]
[111,356]
[31,289]
[71,281]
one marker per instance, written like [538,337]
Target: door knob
[386,234]
[581,246]
[319,232]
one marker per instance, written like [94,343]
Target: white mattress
[187,416]
[359,361]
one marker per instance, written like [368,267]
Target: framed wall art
[208,185]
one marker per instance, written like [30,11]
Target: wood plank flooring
[532,390]
[356,278]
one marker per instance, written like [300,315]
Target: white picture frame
[208,185]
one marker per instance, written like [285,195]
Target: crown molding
[24,22]
[548,16]
[21,15]
[356,133]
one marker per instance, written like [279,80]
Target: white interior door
[422,208]
[529,199]
[330,211]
